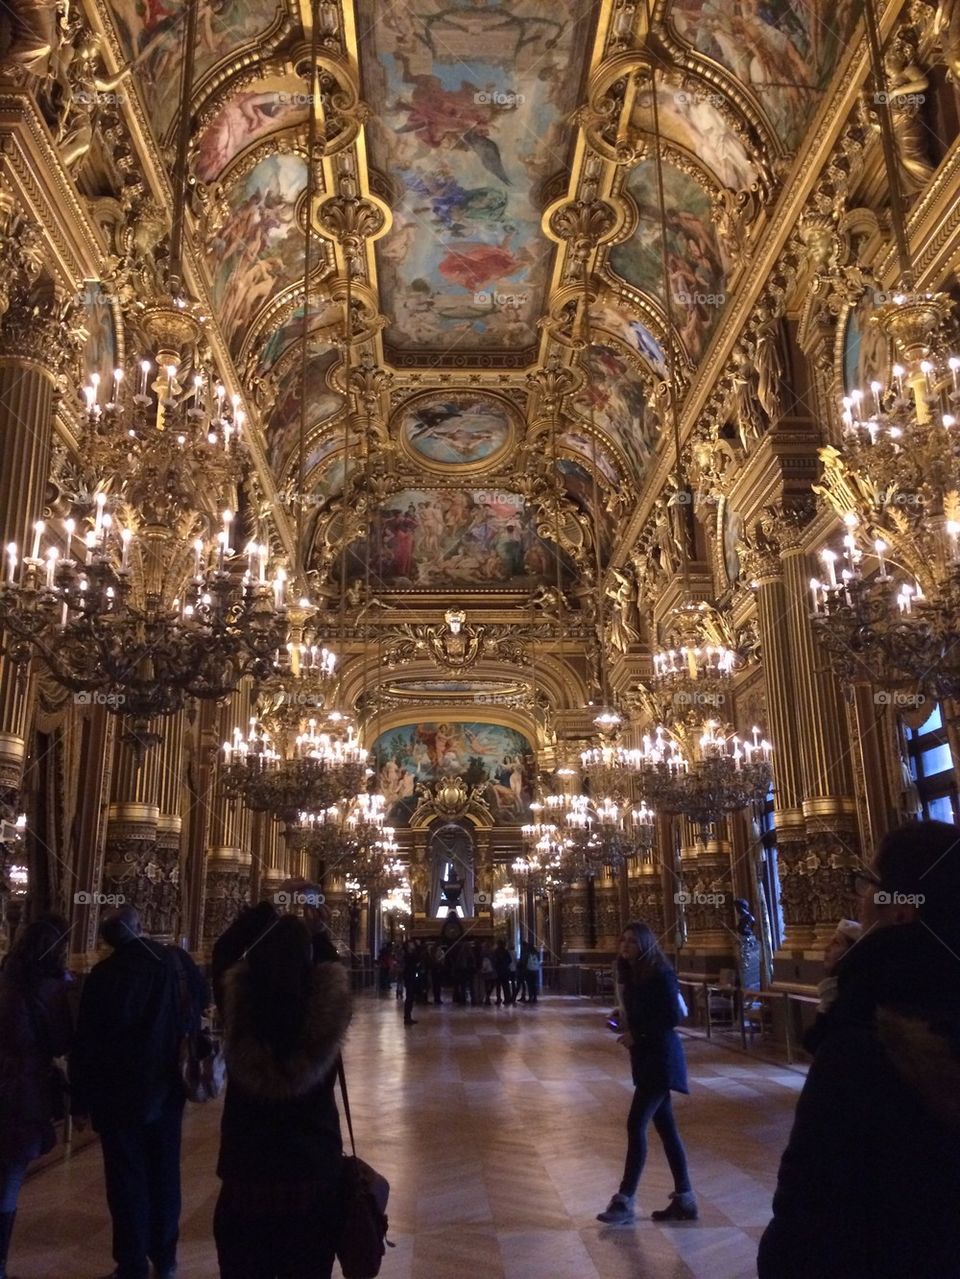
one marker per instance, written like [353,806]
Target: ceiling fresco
[783,52]
[259,249]
[322,402]
[615,399]
[413,757]
[470,107]
[152,35]
[266,106]
[447,431]
[694,259]
[423,539]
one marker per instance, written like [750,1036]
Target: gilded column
[815,876]
[228,863]
[645,893]
[606,899]
[165,872]
[32,343]
[132,822]
[706,898]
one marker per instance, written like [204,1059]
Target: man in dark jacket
[870,1181]
[125,1077]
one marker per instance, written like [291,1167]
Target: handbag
[362,1241]
[200,1062]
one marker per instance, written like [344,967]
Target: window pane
[940,810]
[938,760]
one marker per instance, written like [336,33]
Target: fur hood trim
[925,1060]
[251,1062]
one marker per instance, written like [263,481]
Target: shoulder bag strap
[341,1075]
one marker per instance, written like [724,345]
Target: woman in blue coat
[649,996]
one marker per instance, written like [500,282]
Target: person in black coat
[124,1073]
[869,1184]
[35,1026]
[285,1018]
[649,994]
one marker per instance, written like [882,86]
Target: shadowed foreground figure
[869,1185]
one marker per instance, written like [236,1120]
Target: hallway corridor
[502,1134]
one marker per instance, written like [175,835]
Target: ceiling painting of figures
[631,332]
[152,38]
[694,261]
[784,52]
[411,759]
[456,429]
[697,125]
[325,318]
[478,537]
[259,249]
[593,453]
[275,102]
[615,400]
[322,402]
[470,113]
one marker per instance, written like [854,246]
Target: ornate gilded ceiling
[475,433]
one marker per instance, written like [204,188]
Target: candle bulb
[117,379]
[880,547]
[11,561]
[126,537]
[38,529]
[197,554]
[227,519]
[64,614]
[815,592]
[95,383]
[144,372]
[829,558]
[51,566]
[227,753]
[90,541]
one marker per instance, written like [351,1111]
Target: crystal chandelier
[609,767]
[702,778]
[887,612]
[138,600]
[887,608]
[287,770]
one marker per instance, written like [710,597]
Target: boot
[6,1231]
[682,1207]
[618,1212]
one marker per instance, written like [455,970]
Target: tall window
[931,769]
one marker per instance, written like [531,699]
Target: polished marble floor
[501,1132]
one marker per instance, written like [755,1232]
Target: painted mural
[867,353]
[411,758]
[785,52]
[470,105]
[322,403]
[152,38]
[697,277]
[455,429]
[325,315]
[634,335]
[272,103]
[697,125]
[591,452]
[100,349]
[476,537]
[259,249]
[615,399]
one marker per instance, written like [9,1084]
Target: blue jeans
[12,1176]
[656,1106]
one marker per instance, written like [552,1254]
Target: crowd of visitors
[473,972]
[868,1185]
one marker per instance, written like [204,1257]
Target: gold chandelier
[887,609]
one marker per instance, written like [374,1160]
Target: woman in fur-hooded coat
[285,1018]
